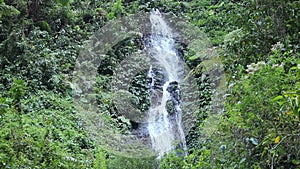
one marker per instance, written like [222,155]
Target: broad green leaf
[277,139]
[243,160]
[3,106]
[296,112]
[277,98]
[296,162]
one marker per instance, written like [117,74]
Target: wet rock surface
[156,79]
[142,133]
[174,91]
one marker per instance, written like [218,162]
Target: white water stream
[165,128]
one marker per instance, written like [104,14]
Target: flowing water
[164,77]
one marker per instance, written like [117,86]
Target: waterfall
[164,77]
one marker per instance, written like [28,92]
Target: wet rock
[157,79]
[170,107]
[134,124]
[174,91]
[156,97]
[142,133]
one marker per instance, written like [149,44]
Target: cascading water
[164,77]
[160,126]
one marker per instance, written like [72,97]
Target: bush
[41,131]
[250,133]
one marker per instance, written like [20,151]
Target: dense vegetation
[258,42]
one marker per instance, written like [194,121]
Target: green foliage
[45,26]
[204,94]
[139,89]
[171,161]
[7,10]
[137,92]
[289,100]
[40,41]
[116,10]
[100,162]
[121,162]
[213,18]
[253,122]
[45,134]
[255,132]
[64,2]
[258,26]
[17,92]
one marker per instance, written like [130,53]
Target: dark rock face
[134,125]
[174,90]
[175,100]
[142,133]
[170,107]
[158,79]
[155,84]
